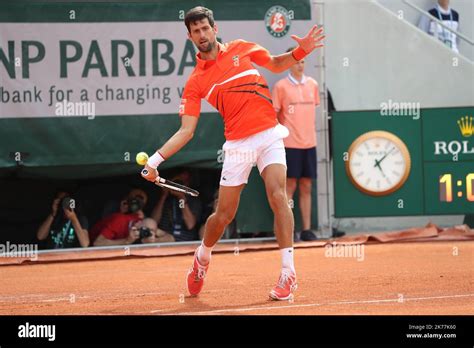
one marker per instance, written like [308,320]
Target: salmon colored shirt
[233,86]
[295,102]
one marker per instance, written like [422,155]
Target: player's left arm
[306,45]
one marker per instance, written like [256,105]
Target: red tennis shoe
[196,275]
[285,287]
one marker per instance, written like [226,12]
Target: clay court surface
[394,278]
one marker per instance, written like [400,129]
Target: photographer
[152,234]
[64,227]
[109,236]
[115,206]
[123,227]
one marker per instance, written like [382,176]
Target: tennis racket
[173,185]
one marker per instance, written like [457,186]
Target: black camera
[134,205]
[145,232]
[68,203]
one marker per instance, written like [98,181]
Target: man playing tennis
[225,77]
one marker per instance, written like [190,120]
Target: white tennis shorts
[260,149]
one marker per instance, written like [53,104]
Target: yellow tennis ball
[141,158]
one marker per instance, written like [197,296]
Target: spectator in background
[115,232]
[117,228]
[114,206]
[449,17]
[156,235]
[295,99]
[176,213]
[65,226]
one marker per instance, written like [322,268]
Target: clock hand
[377,164]
[383,174]
[388,153]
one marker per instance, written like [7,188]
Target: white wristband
[155,160]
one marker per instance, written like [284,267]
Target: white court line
[158,310]
[35,298]
[246,309]
[42,298]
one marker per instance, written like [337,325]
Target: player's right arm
[189,111]
[184,134]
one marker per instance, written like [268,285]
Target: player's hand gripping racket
[173,185]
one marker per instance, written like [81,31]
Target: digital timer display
[449,187]
[462,188]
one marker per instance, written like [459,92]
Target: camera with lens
[134,205]
[145,232]
[68,203]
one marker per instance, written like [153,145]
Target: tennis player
[225,76]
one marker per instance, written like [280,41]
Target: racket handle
[158,179]
[145,172]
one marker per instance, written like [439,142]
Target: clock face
[379,163]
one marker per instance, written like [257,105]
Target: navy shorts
[301,163]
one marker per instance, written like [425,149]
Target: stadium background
[90,155]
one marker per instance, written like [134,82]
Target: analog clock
[378,163]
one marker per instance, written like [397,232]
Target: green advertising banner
[84,86]
[91,84]
[403,164]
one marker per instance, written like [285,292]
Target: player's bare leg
[274,176]
[227,204]
[291,184]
